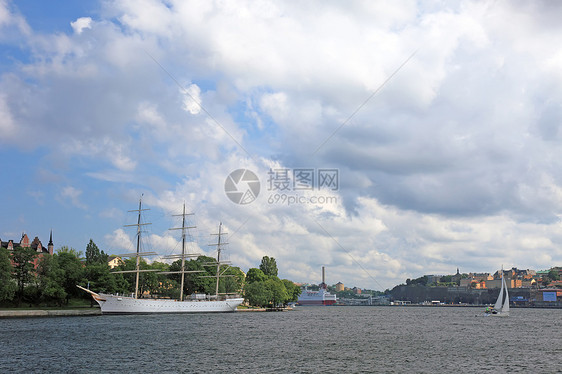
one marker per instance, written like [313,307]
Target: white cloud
[119,242]
[72,195]
[80,24]
[192,101]
[7,123]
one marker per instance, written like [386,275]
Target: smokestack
[323,276]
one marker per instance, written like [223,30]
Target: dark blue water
[307,340]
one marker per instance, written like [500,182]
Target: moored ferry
[320,297]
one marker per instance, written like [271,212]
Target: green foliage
[255,275]
[7,285]
[147,280]
[257,294]
[201,282]
[422,281]
[446,279]
[69,250]
[293,291]
[24,269]
[54,279]
[100,279]
[202,278]
[271,293]
[553,275]
[72,272]
[346,294]
[233,281]
[279,295]
[50,280]
[268,266]
[93,254]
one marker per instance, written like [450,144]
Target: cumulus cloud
[80,24]
[192,101]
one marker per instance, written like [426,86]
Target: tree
[257,294]
[255,275]
[232,282]
[70,250]
[100,279]
[93,254]
[72,271]
[24,269]
[278,292]
[7,286]
[269,293]
[50,280]
[268,266]
[204,282]
[146,279]
[293,291]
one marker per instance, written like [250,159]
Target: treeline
[32,279]
[264,289]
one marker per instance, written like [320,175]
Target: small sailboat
[501,307]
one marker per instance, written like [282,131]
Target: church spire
[50,246]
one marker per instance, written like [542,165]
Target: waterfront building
[339,287]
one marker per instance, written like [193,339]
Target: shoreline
[29,313]
[19,313]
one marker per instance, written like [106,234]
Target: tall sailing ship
[119,304]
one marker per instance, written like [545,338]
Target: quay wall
[22,313]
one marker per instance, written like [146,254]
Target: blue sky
[452,162]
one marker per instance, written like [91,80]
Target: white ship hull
[321,297]
[114,304]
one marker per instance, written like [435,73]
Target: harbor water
[306,340]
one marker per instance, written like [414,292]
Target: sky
[382,140]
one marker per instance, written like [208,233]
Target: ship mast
[183,255]
[138,253]
[219,263]
[218,259]
[183,229]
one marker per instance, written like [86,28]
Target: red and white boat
[320,297]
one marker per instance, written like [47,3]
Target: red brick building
[35,244]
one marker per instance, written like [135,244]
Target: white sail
[505,307]
[499,301]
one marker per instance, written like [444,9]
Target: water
[307,340]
